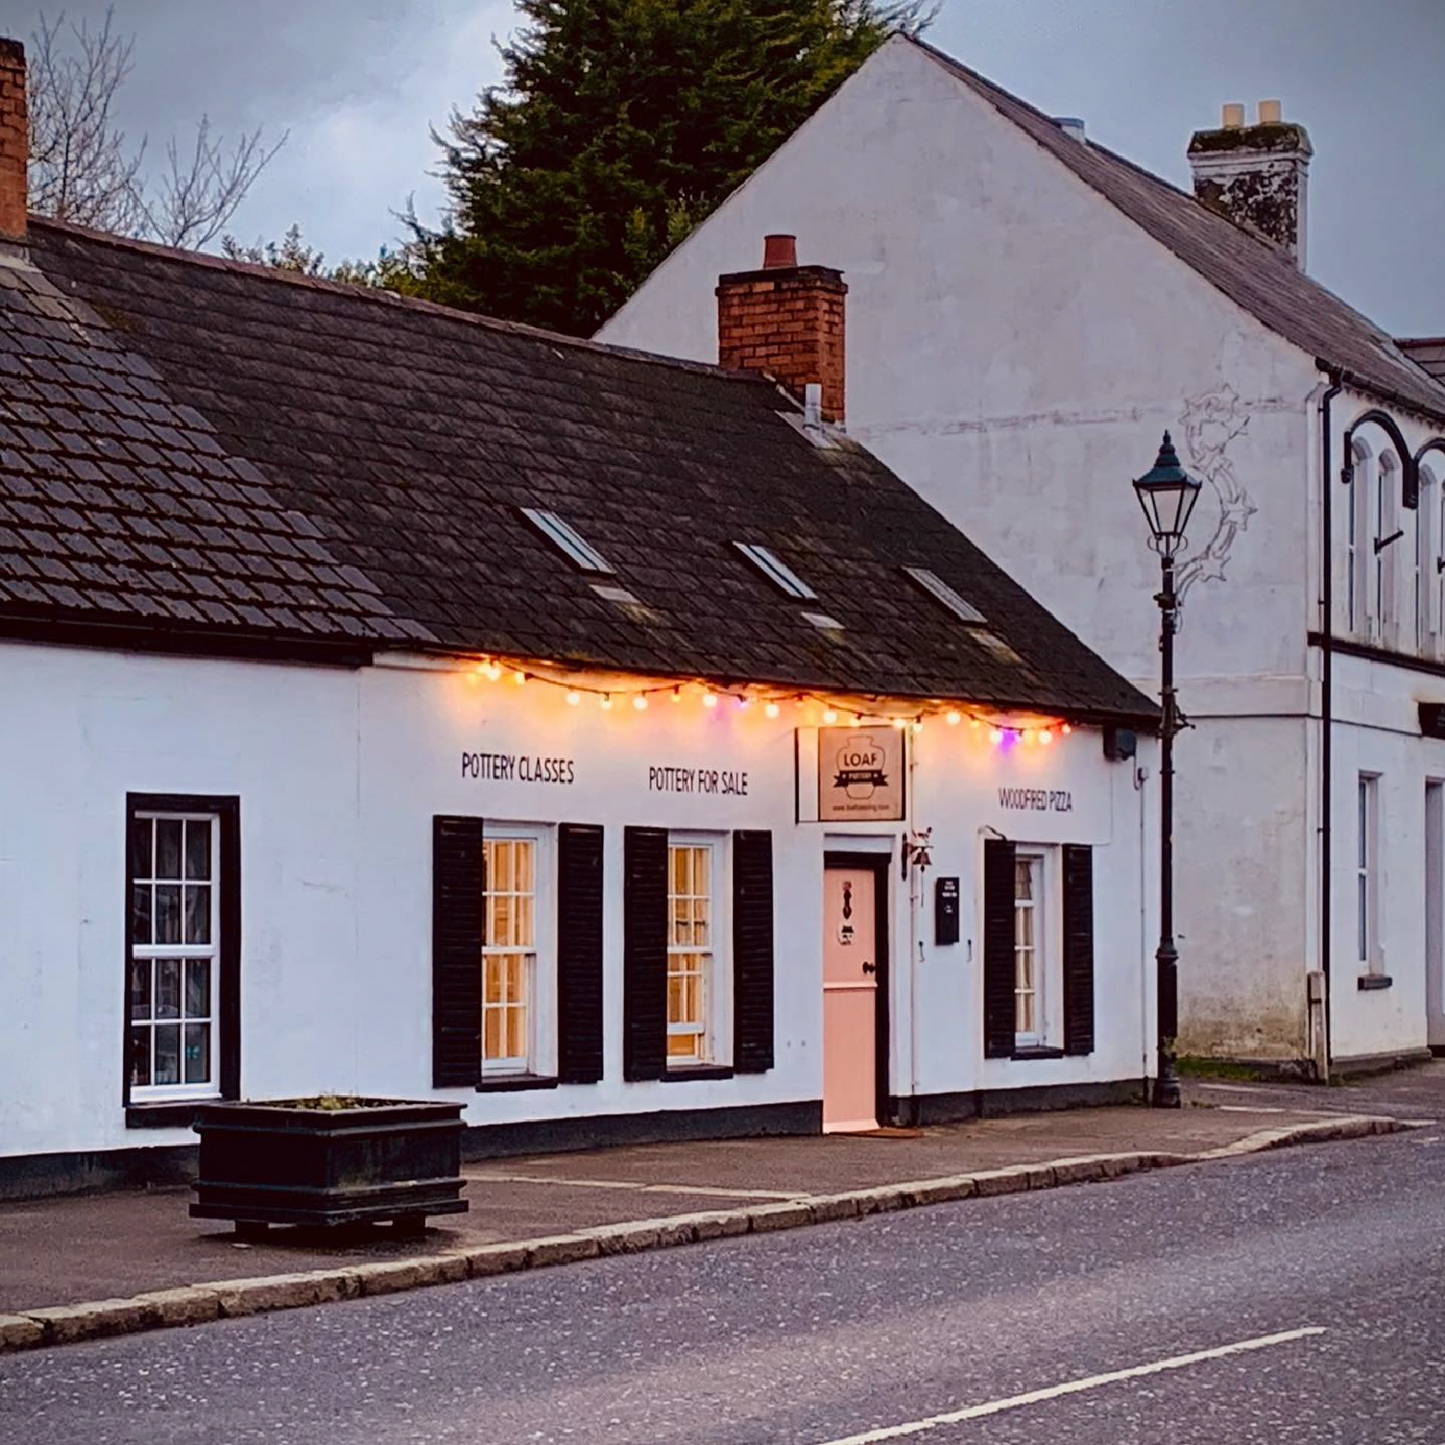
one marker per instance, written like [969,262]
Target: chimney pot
[786,321]
[779,250]
[14,143]
[1256,176]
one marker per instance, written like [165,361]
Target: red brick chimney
[14,142]
[785,320]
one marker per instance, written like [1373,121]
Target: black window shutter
[579,953]
[458,931]
[752,951]
[1078,950]
[644,953]
[998,949]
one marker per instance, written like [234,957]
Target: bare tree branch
[82,167]
[198,194]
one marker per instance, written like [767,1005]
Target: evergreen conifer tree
[621,124]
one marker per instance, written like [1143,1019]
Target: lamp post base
[1167,1094]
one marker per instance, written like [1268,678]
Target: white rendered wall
[339,775]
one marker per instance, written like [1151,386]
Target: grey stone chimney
[1256,175]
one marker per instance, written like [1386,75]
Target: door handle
[870,968]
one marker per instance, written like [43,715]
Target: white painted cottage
[405,704]
[1027,311]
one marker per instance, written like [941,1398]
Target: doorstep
[84,1266]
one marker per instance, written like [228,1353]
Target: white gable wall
[1015,348]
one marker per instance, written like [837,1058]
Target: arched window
[1355,532]
[1420,597]
[1384,536]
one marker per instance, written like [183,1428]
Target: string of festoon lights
[832,712]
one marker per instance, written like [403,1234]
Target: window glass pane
[674,1000]
[501,931]
[523,925]
[198,988]
[198,913]
[702,871]
[492,1034]
[517,1032]
[168,847]
[1023,878]
[168,913]
[140,913]
[682,1046]
[140,1056]
[1024,928]
[198,850]
[198,1053]
[140,988]
[168,988]
[493,968]
[1362,918]
[168,1054]
[1364,849]
[140,847]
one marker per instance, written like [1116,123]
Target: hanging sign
[860,774]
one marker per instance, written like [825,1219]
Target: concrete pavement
[136,1261]
[863,1332]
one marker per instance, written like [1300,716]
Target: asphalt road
[1148,1298]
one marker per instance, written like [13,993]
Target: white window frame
[1384,508]
[1432,507]
[182,952]
[1417,591]
[1353,580]
[1367,874]
[540,969]
[1047,945]
[714,1048]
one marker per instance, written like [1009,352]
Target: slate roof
[211,451]
[1254,274]
[1427,352]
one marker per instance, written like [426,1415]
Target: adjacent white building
[1027,312]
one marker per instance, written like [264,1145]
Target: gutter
[1327,655]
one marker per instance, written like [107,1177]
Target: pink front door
[850,1001]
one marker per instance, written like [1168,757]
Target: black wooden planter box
[287,1163]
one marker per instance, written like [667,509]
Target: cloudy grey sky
[357,83]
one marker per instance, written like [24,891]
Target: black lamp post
[1167,494]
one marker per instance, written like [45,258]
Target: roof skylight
[776,571]
[940,591]
[567,540]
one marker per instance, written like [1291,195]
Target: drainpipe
[1327,630]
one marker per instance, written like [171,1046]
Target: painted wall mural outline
[1212,420]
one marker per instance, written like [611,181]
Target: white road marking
[1073,1387]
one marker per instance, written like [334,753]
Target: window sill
[687,1072]
[514,1083]
[1371,982]
[180,1114]
[1037,1051]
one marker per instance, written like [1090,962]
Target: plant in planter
[329,1159]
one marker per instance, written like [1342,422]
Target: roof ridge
[1228,233]
[382,296]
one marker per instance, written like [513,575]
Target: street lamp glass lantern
[1167,493]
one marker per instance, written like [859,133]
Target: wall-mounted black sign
[1432,719]
[945,910]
